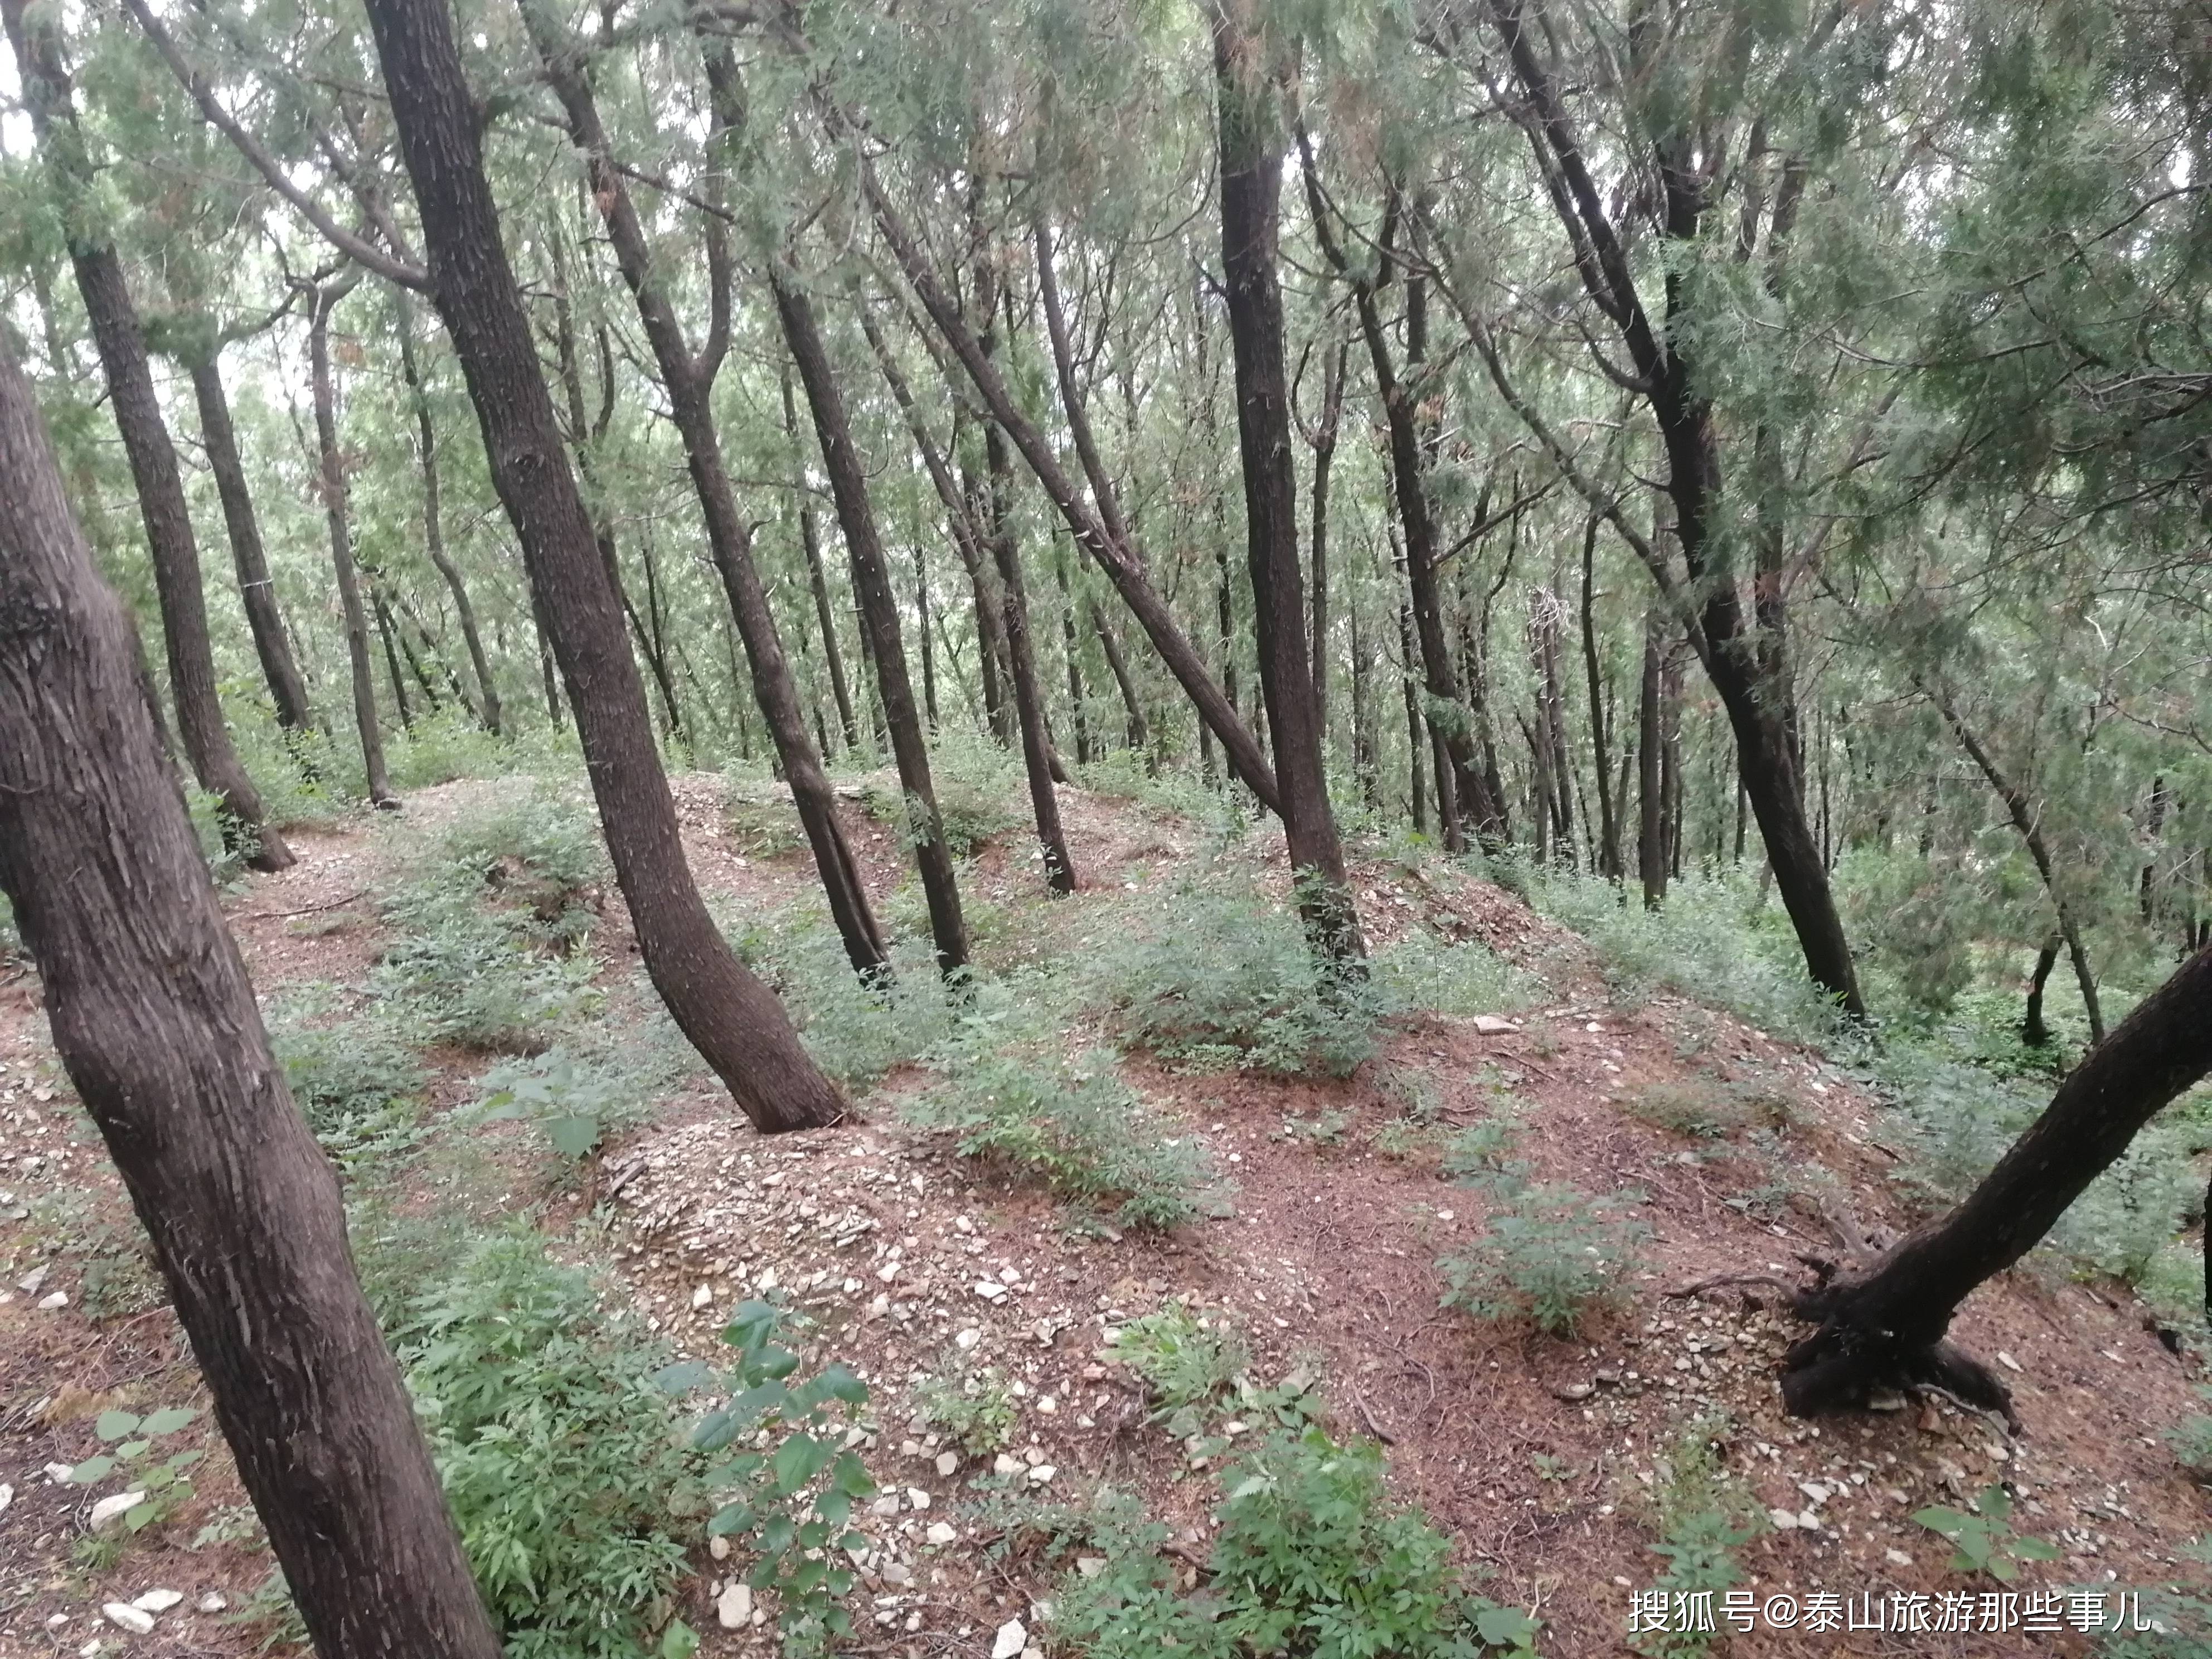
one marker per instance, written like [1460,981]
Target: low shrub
[1548,1253]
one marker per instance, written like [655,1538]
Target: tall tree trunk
[2033,1031]
[1651,759]
[1251,214]
[383,614]
[689,379]
[1323,439]
[733,1020]
[810,541]
[1886,1323]
[1105,531]
[122,345]
[1133,705]
[1608,852]
[921,625]
[434,528]
[286,689]
[2026,821]
[331,466]
[1366,767]
[1660,356]
[849,486]
[1070,649]
[156,1024]
[1416,730]
[1464,789]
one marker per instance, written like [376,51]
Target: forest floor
[1540,1457]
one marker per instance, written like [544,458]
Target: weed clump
[1550,1253]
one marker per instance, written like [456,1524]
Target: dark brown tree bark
[1885,1324]
[733,1020]
[286,689]
[121,342]
[1071,651]
[1323,439]
[921,626]
[2032,1031]
[689,377]
[1661,366]
[1251,152]
[434,528]
[330,466]
[383,614]
[155,1023]
[856,518]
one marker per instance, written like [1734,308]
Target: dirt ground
[1537,1456]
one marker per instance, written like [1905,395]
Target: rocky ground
[1540,1456]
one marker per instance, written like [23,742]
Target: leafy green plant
[2191,1439]
[161,1480]
[1310,1559]
[465,976]
[562,1462]
[1708,1108]
[357,1080]
[1482,1148]
[575,1103]
[973,1407]
[1703,1515]
[855,1031]
[1186,1357]
[1549,1253]
[1982,1538]
[795,1481]
[1078,1128]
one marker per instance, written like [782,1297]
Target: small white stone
[897,1572]
[1013,1635]
[1899,1559]
[703,1296]
[990,1289]
[1005,1463]
[1090,1566]
[1784,1520]
[968,1338]
[718,1548]
[948,1463]
[124,1616]
[942,1532]
[157,1600]
[1043,1472]
[55,1300]
[113,1509]
[733,1608]
[213,1601]
[7,1497]
[2003,1358]
[917,1498]
[30,1282]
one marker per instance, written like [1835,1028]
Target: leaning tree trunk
[434,528]
[689,377]
[286,689]
[155,1023]
[169,540]
[1886,1324]
[1251,212]
[331,466]
[733,1020]
[849,484]
[810,540]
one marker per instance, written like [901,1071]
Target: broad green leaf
[573,1136]
[168,1421]
[799,1460]
[683,1377]
[92,1469]
[2034,1549]
[715,1430]
[729,1518]
[840,1383]
[679,1641]
[114,1425]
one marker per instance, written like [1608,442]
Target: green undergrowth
[1213,975]
[1548,1253]
[1311,1557]
[1701,1514]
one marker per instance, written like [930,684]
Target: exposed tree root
[1840,1364]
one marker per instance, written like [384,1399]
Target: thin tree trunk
[2033,1031]
[1887,1323]
[1104,532]
[849,486]
[333,487]
[433,529]
[122,345]
[1133,706]
[1324,449]
[156,1024]
[733,1020]
[383,614]
[1416,732]
[286,689]
[921,625]
[810,540]
[2025,820]
[689,379]
[1650,752]
[1070,649]
[1609,855]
